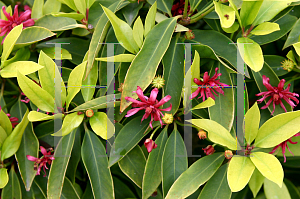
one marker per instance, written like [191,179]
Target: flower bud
[209,150]
[287,65]
[89,113]
[223,1]
[79,113]
[189,35]
[228,154]
[150,144]
[168,118]
[158,82]
[202,135]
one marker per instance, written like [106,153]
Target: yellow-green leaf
[297,48]
[239,172]
[207,103]
[37,9]
[99,125]
[71,122]
[150,19]
[3,177]
[251,53]
[252,118]
[256,182]
[138,31]
[265,28]
[269,166]
[117,58]
[225,13]
[5,122]
[232,29]
[3,135]
[179,28]
[81,6]
[272,190]
[249,11]
[34,116]
[24,67]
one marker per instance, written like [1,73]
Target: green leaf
[37,9]
[174,160]
[272,190]
[10,41]
[293,36]
[294,192]
[3,135]
[34,116]
[51,6]
[41,98]
[68,190]
[131,11]
[57,23]
[59,165]
[143,68]
[24,67]
[195,70]
[252,119]
[190,180]
[121,189]
[274,61]
[133,165]
[173,74]
[226,14]
[217,186]
[150,19]
[5,123]
[122,31]
[163,5]
[71,122]
[50,52]
[3,177]
[29,146]
[47,74]
[269,166]
[249,11]
[73,15]
[278,129]
[216,132]
[99,125]
[75,82]
[81,6]
[90,80]
[297,48]
[268,10]
[152,175]
[232,29]
[161,17]
[223,111]
[117,58]
[239,172]
[207,103]
[129,136]
[13,141]
[251,53]
[138,32]
[95,162]
[265,28]
[256,181]
[12,189]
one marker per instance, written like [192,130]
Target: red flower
[150,144]
[277,94]
[39,163]
[13,120]
[284,145]
[178,8]
[207,85]
[24,18]
[209,150]
[26,99]
[151,105]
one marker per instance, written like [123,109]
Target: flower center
[275,97]
[148,110]
[14,25]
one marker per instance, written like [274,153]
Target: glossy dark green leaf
[294,192]
[131,11]
[224,104]
[133,165]
[173,62]
[89,81]
[174,161]
[163,5]
[59,165]
[12,189]
[95,161]
[153,170]
[217,187]
[128,138]
[122,190]
[196,175]
[274,61]
[293,36]
[29,146]
[39,186]
[68,190]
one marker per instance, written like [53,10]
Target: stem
[191,125]
[202,14]
[151,136]
[186,4]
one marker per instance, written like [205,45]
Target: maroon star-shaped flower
[150,105]
[277,94]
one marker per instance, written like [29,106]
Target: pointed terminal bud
[202,135]
[209,150]
[287,65]
[228,154]
[150,144]
[89,113]
[158,82]
[189,35]
[168,118]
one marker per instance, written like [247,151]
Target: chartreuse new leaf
[13,141]
[226,14]
[161,17]
[255,182]
[117,58]
[216,132]
[150,19]
[81,6]
[195,70]
[251,53]
[138,32]
[207,103]
[190,180]
[297,48]
[24,67]
[3,135]
[278,129]
[252,119]
[71,122]
[5,122]
[143,68]
[41,98]
[99,124]
[122,31]
[265,28]
[239,172]
[3,177]
[13,188]
[249,11]
[269,166]
[34,116]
